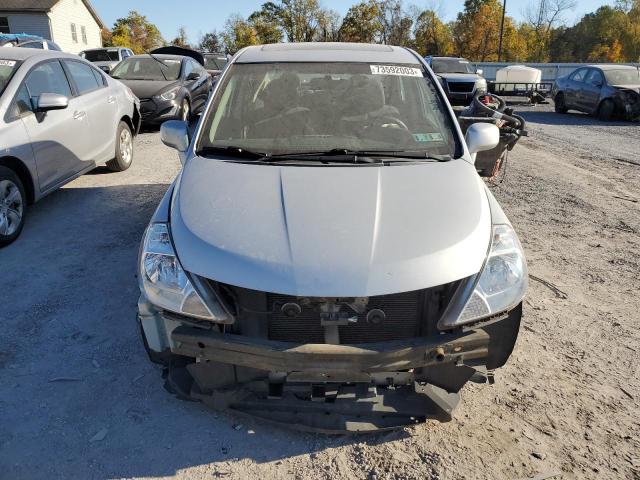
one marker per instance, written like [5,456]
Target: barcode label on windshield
[395,70]
[7,63]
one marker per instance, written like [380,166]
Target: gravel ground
[80,400]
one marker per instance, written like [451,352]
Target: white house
[72,24]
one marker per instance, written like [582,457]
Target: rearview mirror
[481,137]
[51,101]
[175,134]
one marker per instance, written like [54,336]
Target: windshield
[7,69]
[147,68]
[101,56]
[626,76]
[214,62]
[279,108]
[451,65]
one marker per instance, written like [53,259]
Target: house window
[74,34]
[83,31]
[4,25]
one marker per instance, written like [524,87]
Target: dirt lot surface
[78,398]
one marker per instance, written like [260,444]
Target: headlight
[502,282]
[169,94]
[165,283]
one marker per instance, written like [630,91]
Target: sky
[201,16]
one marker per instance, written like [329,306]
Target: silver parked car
[59,118]
[328,257]
[106,58]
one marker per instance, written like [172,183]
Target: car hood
[148,88]
[331,231]
[635,88]
[460,77]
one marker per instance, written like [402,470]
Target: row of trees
[610,34]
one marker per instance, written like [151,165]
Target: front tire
[13,206]
[124,149]
[606,110]
[560,106]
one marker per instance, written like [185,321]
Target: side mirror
[51,101]
[105,68]
[479,71]
[481,137]
[193,76]
[175,134]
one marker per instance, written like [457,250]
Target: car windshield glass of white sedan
[280,108]
[147,68]
[7,69]
[624,76]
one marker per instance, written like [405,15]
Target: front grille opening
[461,87]
[403,317]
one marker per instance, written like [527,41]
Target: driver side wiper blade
[232,151]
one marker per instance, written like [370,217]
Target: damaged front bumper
[323,387]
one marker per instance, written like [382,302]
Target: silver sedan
[60,117]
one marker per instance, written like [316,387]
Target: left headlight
[169,94]
[165,283]
[502,283]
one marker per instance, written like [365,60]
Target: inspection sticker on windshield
[395,70]
[428,137]
[7,63]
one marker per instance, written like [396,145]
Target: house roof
[43,6]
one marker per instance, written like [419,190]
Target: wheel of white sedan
[124,149]
[13,206]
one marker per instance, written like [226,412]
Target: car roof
[162,56]
[326,52]
[19,53]
[102,48]
[613,67]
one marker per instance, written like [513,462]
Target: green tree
[396,23]
[476,31]
[136,32]
[210,42]
[361,23]
[182,40]
[238,33]
[432,36]
[266,25]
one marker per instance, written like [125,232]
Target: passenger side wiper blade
[336,152]
[231,151]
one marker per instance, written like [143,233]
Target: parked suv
[459,79]
[106,58]
[59,118]
[328,257]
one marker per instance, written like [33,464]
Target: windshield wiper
[231,151]
[336,155]
[361,155]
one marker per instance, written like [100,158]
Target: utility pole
[504,10]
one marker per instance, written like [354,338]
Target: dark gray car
[169,86]
[604,90]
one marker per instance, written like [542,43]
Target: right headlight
[502,283]
[165,283]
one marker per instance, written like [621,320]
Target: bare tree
[543,16]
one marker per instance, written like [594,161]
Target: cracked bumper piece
[322,388]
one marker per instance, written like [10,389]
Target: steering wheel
[391,121]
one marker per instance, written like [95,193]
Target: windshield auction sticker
[395,70]
[7,63]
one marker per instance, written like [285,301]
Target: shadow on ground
[78,393]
